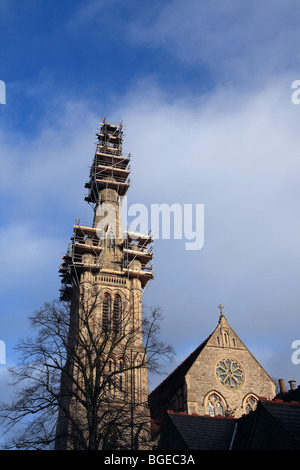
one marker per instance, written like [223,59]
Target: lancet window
[106,312]
[117,314]
[215,405]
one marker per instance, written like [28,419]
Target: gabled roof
[195,432]
[176,378]
[276,426]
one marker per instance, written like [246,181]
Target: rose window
[230,373]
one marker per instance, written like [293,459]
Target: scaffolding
[133,252]
[110,168]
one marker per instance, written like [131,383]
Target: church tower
[104,273]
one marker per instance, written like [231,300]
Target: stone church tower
[221,377]
[104,273]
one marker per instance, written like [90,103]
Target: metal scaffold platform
[130,253]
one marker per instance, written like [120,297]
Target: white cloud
[234,151]
[234,40]
[47,172]
[237,153]
[26,256]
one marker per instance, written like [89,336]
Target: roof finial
[221,310]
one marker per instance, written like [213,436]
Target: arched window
[121,383]
[226,338]
[215,405]
[250,403]
[117,310]
[106,308]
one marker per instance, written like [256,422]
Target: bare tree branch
[74,381]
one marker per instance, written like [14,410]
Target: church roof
[195,432]
[274,425]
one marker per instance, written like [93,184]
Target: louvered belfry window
[117,314]
[106,307]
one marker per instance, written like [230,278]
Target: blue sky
[204,91]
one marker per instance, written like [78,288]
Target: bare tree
[76,384]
